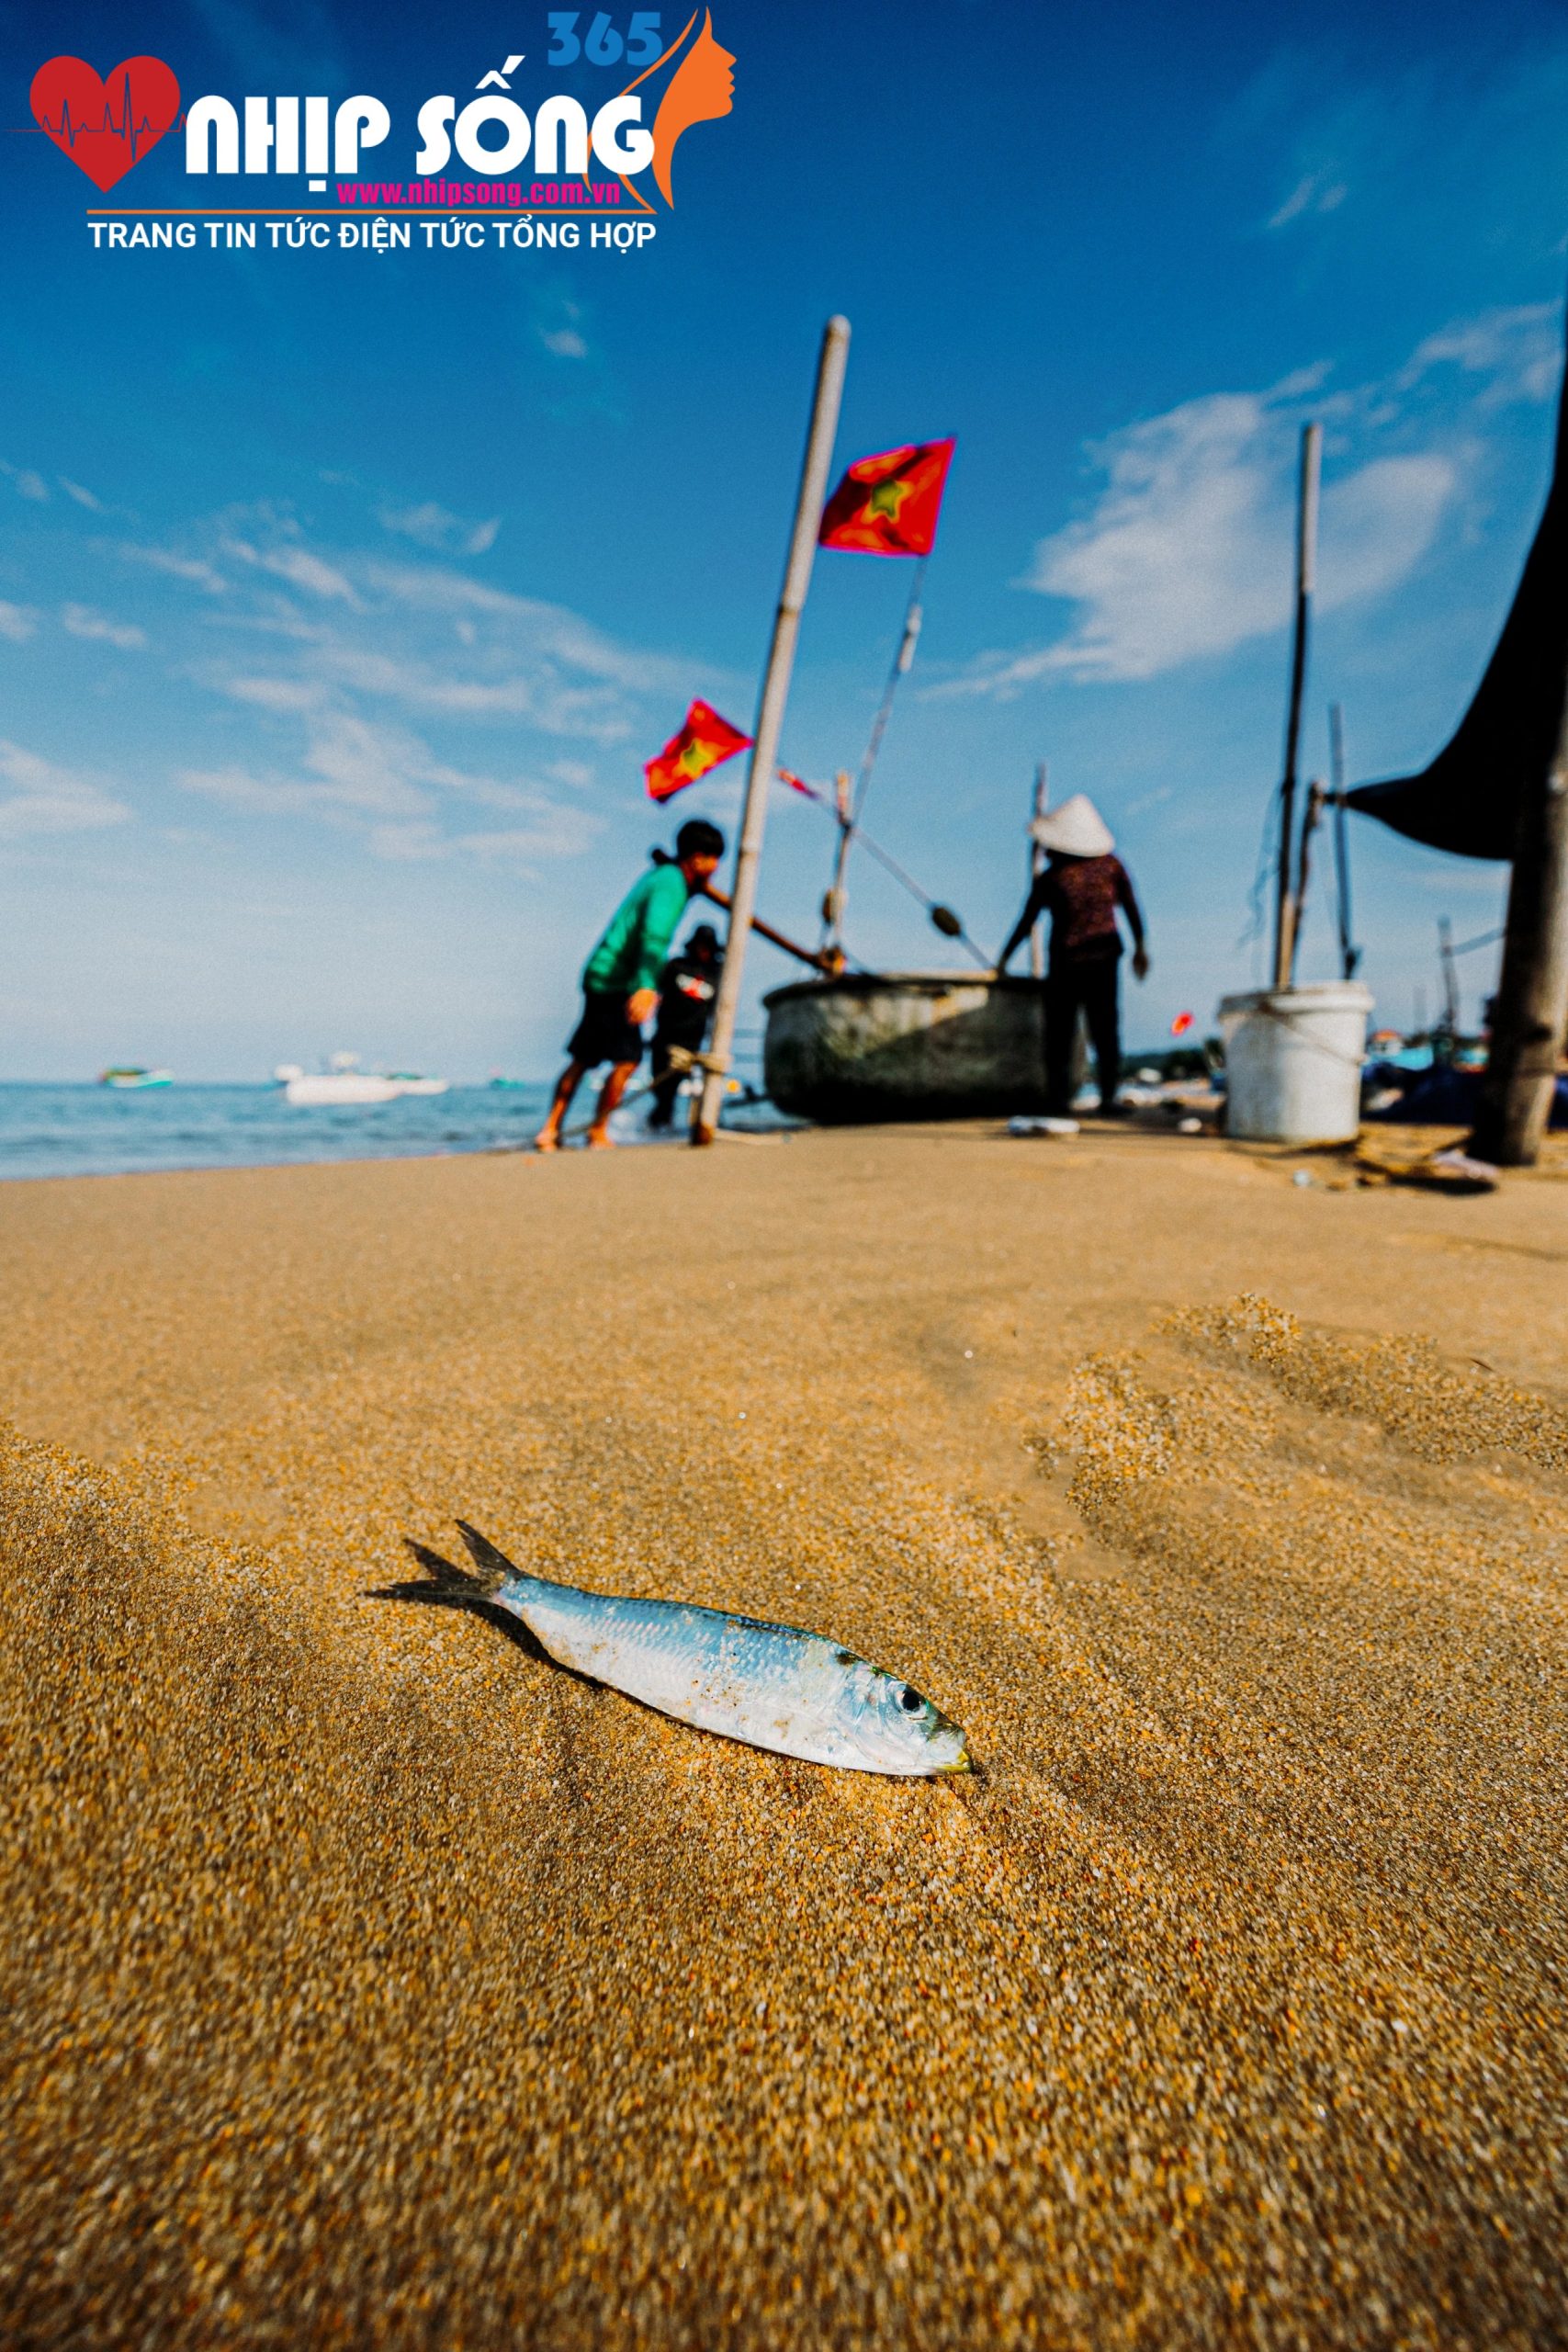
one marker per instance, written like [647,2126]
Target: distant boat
[128,1075]
[342,1082]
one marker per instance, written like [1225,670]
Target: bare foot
[599,1141]
[547,1140]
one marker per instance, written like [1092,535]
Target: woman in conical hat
[1081,886]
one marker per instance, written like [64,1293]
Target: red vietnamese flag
[703,740]
[888,504]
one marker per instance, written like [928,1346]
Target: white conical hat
[1076,828]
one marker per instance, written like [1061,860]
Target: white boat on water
[125,1075]
[343,1081]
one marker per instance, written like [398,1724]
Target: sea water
[89,1130]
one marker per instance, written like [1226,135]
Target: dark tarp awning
[1467,801]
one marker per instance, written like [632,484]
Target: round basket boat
[877,1045]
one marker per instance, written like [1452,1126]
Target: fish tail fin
[492,1567]
[455,1579]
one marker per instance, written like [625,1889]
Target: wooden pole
[1036,860]
[1316,795]
[1531,1009]
[833,904]
[808,505]
[818,962]
[1450,977]
[1349,955]
[1306,549]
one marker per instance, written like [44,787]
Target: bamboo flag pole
[1306,549]
[829,389]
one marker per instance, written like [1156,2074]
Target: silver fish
[772,1686]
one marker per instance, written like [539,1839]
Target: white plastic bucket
[1293,1062]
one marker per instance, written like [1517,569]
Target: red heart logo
[105,127]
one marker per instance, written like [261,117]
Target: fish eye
[910,1701]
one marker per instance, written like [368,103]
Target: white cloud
[297,565]
[236,787]
[1186,553]
[557,834]
[558,325]
[358,771]
[83,497]
[179,567]
[430,526]
[352,768]
[28,484]
[365,766]
[274,693]
[1317,192]
[373,687]
[44,799]
[18,622]
[83,621]
[1519,350]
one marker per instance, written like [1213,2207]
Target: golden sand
[367,1981]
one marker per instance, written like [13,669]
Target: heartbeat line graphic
[106,126]
[65,132]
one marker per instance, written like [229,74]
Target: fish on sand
[772,1686]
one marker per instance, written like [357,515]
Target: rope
[901,662]
[1485,939]
[1257,896]
[849,822]
[681,1060]
[1318,1045]
[932,907]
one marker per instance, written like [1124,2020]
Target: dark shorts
[604,1033]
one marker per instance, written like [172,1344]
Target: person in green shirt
[620,979]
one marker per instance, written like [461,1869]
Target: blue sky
[342,595]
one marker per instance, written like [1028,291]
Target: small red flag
[1181,1025]
[888,504]
[798,784]
[702,742]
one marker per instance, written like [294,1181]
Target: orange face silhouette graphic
[701,89]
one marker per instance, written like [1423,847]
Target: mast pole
[1036,860]
[830,365]
[1349,955]
[833,904]
[851,809]
[1316,794]
[1450,977]
[1286,903]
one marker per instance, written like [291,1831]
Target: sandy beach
[369,1981]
